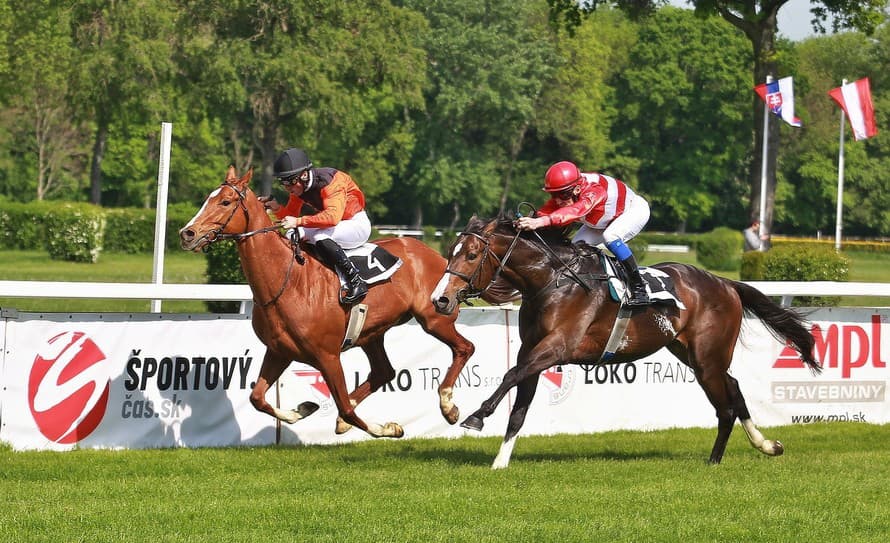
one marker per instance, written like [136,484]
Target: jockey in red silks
[610,212]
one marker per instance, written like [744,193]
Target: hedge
[79,231]
[789,262]
[720,249]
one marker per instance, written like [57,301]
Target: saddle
[374,263]
[596,264]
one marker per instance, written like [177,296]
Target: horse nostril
[187,235]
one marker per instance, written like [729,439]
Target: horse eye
[472,256]
[226,202]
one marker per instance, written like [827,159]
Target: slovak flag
[855,99]
[779,96]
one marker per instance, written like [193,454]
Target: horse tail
[784,324]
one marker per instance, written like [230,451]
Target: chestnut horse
[562,321]
[297,314]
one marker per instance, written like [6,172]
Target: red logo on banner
[68,388]
[316,381]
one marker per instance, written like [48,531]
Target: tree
[683,96]
[757,19]
[123,68]
[334,78]
[807,192]
[38,114]
[488,62]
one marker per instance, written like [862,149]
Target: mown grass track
[831,485]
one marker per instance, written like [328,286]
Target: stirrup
[353,292]
[638,299]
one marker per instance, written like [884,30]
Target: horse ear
[245,179]
[231,175]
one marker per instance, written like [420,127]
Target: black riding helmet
[291,162]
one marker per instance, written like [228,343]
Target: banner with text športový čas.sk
[145,381]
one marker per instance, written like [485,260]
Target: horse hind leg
[710,371]
[525,393]
[381,373]
[768,447]
[332,372]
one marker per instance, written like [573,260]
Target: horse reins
[218,234]
[471,279]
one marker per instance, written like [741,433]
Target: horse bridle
[472,291]
[218,234]
[463,295]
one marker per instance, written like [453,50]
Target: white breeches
[624,227]
[348,233]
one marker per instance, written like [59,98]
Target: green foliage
[224,267]
[685,118]
[130,230]
[720,249]
[806,263]
[23,226]
[753,265]
[75,232]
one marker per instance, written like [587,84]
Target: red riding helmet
[561,176]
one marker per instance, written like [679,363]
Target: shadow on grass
[484,456]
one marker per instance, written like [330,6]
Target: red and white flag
[855,99]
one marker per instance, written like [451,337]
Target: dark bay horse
[297,314]
[561,322]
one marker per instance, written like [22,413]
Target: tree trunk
[96,165]
[508,175]
[762,35]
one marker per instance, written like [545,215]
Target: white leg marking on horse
[287,416]
[766,446]
[502,460]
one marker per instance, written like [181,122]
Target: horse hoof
[391,429]
[472,423]
[452,415]
[306,408]
[342,426]
[778,448]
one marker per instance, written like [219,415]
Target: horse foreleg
[442,328]
[272,368]
[539,358]
[525,393]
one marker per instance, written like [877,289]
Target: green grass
[179,267]
[616,486]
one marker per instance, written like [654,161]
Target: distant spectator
[753,239]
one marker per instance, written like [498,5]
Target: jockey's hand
[530,223]
[289,222]
[269,203]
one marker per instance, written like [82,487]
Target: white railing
[241,293]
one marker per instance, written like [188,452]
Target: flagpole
[769,79]
[840,184]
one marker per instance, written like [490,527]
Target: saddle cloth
[374,263]
[659,284]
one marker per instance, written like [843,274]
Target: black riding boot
[638,295]
[335,257]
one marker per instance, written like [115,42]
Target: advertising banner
[145,381]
